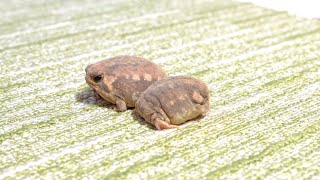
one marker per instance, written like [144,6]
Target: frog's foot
[121,105]
[160,124]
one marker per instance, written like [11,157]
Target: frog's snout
[87,78]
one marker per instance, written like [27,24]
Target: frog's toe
[160,124]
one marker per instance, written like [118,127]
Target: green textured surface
[262,68]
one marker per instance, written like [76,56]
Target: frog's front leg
[120,105]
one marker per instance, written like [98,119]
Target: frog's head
[99,81]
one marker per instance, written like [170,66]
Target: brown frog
[121,80]
[173,101]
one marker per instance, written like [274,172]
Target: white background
[301,8]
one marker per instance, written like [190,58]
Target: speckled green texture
[262,68]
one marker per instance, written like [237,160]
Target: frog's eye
[97,78]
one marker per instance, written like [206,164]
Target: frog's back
[132,75]
[131,66]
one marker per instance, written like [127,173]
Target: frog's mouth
[104,95]
[97,94]
[99,90]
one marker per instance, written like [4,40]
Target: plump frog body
[173,101]
[121,80]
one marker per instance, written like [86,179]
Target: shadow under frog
[88,96]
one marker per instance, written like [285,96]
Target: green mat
[262,68]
